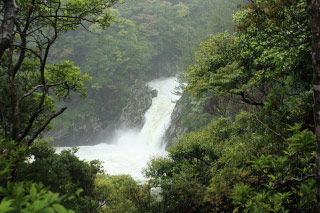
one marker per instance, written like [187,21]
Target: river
[130,151]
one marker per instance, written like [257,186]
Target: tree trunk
[14,97]
[314,13]
[7,25]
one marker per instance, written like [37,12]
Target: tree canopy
[28,82]
[260,155]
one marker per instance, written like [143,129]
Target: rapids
[130,151]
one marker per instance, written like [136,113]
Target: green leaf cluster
[237,166]
[28,197]
[63,173]
[24,196]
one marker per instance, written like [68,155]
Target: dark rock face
[84,131]
[176,128]
[89,130]
[139,102]
[154,93]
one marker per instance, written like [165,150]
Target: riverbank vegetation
[148,40]
[262,159]
[254,152]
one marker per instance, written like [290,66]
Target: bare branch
[38,87]
[28,49]
[45,125]
[272,130]
[291,181]
[23,39]
[28,128]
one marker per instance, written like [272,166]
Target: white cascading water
[130,151]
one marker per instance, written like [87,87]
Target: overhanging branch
[37,133]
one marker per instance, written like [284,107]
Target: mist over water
[130,150]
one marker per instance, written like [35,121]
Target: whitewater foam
[130,150]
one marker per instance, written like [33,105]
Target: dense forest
[250,76]
[147,40]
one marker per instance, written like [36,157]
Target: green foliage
[257,65]
[195,120]
[194,114]
[23,196]
[214,55]
[149,39]
[121,193]
[28,82]
[29,86]
[116,193]
[238,166]
[10,153]
[63,173]
[26,171]
[260,160]
[185,176]
[263,161]
[67,73]
[28,197]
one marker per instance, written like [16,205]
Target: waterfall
[130,150]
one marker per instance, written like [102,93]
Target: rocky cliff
[189,116]
[89,130]
[176,127]
[83,131]
[139,102]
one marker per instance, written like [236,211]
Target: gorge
[130,149]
